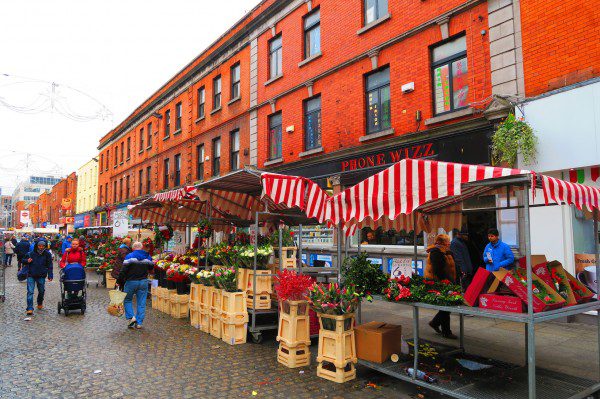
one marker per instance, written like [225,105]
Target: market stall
[428,188]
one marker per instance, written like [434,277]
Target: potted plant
[367,278]
[513,136]
[294,325]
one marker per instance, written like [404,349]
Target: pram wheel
[58,308]
[66,312]
[83,310]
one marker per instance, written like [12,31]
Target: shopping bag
[115,308]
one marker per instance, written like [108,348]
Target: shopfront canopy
[386,198]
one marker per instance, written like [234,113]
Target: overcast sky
[116,52]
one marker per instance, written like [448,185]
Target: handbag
[23,273]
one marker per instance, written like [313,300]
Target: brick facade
[561,43]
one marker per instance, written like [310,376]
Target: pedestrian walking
[22,249]
[66,243]
[9,251]
[462,258]
[135,275]
[122,252]
[39,264]
[73,254]
[440,266]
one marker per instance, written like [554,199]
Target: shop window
[374,10]
[275,57]
[201,101]
[217,92]
[312,34]
[167,123]
[150,135]
[378,101]
[235,150]
[508,220]
[177,170]
[200,163]
[379,236]
[450,75]
[216,167]
[235,81]
[275,136]
[166,173]
[178,112]
[312,123]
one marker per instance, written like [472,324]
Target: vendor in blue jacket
[40,267]
[497,254]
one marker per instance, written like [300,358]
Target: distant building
[29,190]
[5,211]
[87,192]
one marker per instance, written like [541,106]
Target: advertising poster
[120,223]
[585,271]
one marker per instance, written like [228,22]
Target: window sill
[140,151]
[311,152]
[448,116]
[233,100]
[166,137]
[128,159]
[309,59]
[199,119]
[176,132]
[374,24]
[274,161]
[373,136]
[148,148]
[215,110]
[268,82]
[121,164]
[115,167]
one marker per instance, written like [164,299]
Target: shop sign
[425,150]
[78,224]
[404,267]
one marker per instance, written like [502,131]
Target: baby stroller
[72,289]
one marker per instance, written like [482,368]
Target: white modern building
[29,190]
[567,124]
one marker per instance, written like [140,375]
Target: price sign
[401,267]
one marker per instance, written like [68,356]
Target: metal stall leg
[598,285]
[299,249]
[256,335]
[461,333]
[415,341]
[530,324]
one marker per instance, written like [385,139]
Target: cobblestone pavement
[53,356]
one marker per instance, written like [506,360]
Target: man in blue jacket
[65,244]
[40,267]
[497,254]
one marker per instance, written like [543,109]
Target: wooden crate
[263,301]
[287,258]
[110,282]
[234,333]
[154,295]
[336,374]
[205,321]
[195,292]
[216,295]
[263,282]
[336,340]
[195,317]
[215,325]
[204,297]
[242,278]
[294,323]
[298,356]
[180,306]
[233,308]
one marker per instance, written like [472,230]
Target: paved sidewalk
[54,356]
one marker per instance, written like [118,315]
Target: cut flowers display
[419,289]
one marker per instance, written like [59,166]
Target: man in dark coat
[462,258]
[22,249]
[40,267]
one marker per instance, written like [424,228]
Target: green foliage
[367,278]
[287,238]
[514,136]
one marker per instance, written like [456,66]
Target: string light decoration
[34,96]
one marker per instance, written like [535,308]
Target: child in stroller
[72,288]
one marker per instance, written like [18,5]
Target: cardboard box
[505,303]
[481,280]
[511,281]
[542,272]
[535,260]
[377,341]
[557,272]
[581,293]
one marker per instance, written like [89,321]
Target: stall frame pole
[530,321]
[597,255]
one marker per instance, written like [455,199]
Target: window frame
[379,15]
[128,148]
[235,84]
[200,161]
[272,52]
[308,30]
[166,174]
[142,135]
[378,89]
[216,157]
[148,179]
[305,116]
[122,151]
[446,61]
[141,182]
[234,154]
[167,131]
[271,127]
[177,176]
[149,133]
[115,183]
[127,190]
[201,109]
[178,115]
[217,95]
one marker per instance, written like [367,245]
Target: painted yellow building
[87,186]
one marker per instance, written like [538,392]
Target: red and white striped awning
[188,192]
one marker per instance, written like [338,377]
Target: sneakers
[29,312]
[138,326]
[132,323]
[40,307]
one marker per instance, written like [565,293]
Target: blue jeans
[140,289]
[41,285]
[8,259]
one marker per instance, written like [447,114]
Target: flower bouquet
[332,299]
[291,286]
[205,277]
[246,256]
[205,228]
[419,289]
[226,279]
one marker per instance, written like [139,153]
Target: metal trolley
[2,275]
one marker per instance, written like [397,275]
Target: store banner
[24,218]
[78,223]
[87,220]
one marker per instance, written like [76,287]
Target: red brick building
[61,195]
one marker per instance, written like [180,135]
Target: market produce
[419,289]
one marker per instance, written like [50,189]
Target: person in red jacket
[73,255]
